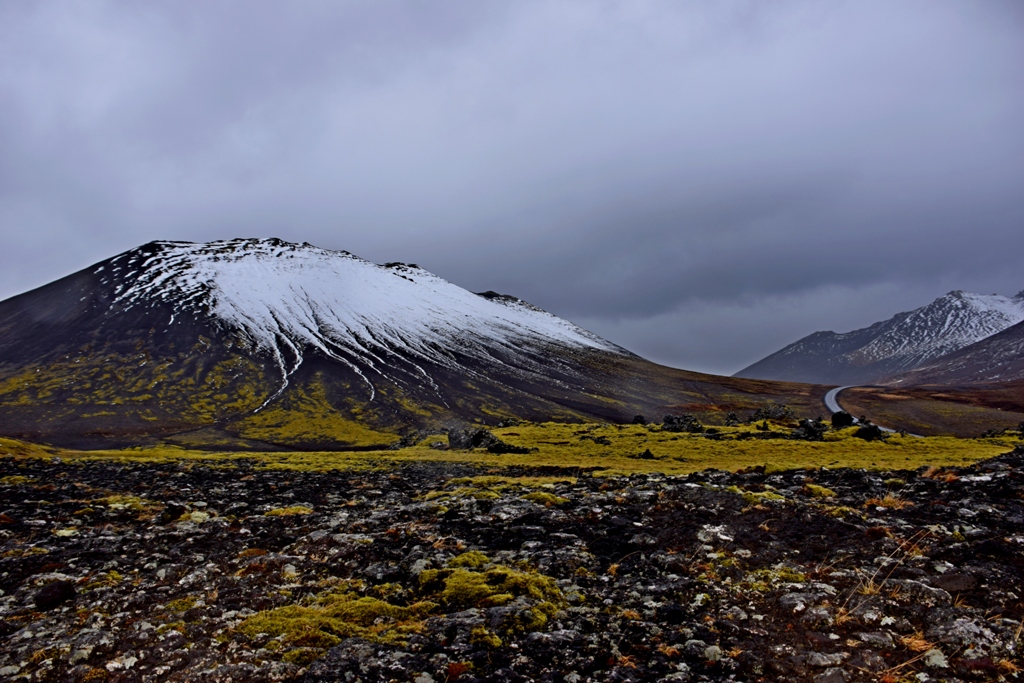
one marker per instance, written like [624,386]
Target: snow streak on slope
[285,298]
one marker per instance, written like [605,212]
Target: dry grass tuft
[668,650]
[1008,667]
[890,501]
[916,642]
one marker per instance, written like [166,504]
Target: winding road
[830,399]
[832,403]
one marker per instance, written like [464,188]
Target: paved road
[832,403]
[830,398]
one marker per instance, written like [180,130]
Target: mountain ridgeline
[959,338]
[260,343]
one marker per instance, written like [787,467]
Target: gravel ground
[136,572]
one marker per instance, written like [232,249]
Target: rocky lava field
[121,571]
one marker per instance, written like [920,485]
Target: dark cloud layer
[701,182]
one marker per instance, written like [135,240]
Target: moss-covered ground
[307,415]
[471,580]
[603,448]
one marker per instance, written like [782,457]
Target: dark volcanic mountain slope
[999,358]
[252,343]
[76,361]
[898,345]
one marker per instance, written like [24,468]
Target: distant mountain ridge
[260,343]
[893,347]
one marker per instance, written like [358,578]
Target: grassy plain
[599,447]
[939,411]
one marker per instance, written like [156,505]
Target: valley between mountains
[254,460]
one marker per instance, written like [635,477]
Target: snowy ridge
[283,299]
[948,324]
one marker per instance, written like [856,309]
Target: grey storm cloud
[700,182]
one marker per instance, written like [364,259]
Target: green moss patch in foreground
[303,632]
[327,619]
[471,580]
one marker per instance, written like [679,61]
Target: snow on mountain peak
[284,298]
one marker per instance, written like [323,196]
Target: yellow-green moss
[25,552]
[816,491]
[306,415]
[482,635]
[111,578]
[182,604]
[545,498]
[756,497]
[474,559]
[25,449]
[133,503]
[289,511]
[331,617]
[504,483]
[465,491]
[841,511]
[465,588]
[303,656]
[189,391]
[765,579]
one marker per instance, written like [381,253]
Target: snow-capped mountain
[286,300]
[258,343]
[895,346]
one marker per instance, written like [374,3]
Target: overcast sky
[701,182]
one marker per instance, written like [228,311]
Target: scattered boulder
[771,410]
[810,430]
[842,419]
[468,439]
[954,582]
[54,594]
[870,432]
[682,423]
[171,512]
